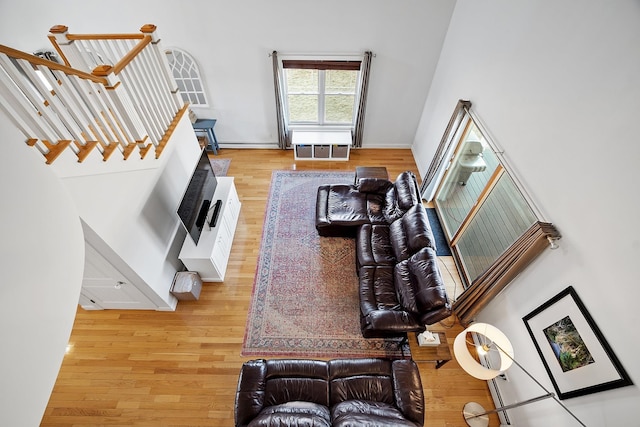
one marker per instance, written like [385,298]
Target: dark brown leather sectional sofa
[341,393]
[401,289]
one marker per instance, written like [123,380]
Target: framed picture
[575,354]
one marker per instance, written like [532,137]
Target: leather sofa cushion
[366,379]
[396,395]
[377,291]
[373,246]
[304,381]
[381,314]
[346,205]
[375,206]
[294,413]
[418,282]
[410,233]
[365,413]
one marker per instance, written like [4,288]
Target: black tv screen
[198,197]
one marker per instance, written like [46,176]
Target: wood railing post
[163,65]
[67,49]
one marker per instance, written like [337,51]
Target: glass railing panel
[469,173]
[501,220]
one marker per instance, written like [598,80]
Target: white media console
[211,255]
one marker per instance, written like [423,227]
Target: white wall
[557,85]
[41,259]
[132,214]
[232,40]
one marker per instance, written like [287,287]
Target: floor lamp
[491,339]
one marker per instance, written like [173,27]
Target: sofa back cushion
[411,232]
[361,379]
[401,196]
[299,380]
[418,282]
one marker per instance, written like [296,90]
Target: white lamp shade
[497,340]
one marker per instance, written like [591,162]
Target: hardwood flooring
[148,368]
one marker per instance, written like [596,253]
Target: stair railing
[114,91]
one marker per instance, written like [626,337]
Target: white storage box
[186,285]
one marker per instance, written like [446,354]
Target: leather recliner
[340,392]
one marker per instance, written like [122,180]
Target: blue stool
[206,126]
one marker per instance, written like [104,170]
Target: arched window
[185,72]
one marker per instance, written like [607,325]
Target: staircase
[98,93]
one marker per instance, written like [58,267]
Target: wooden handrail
[119,66]
[56,46]
[104,36]
[18,54]
[59,29]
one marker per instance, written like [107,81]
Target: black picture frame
[563,323]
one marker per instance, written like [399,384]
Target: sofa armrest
[407,389]
[322,204]
[388,323]
[407,191]
[436,315]
[250,393]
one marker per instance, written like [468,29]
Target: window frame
[192,66]
[321,63]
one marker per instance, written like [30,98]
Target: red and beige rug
[305,298]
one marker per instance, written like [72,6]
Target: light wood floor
[146,368]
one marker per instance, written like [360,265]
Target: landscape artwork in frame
[574,352]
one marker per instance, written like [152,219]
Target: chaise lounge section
[340,392]
[340,208]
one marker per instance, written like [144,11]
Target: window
[187,77]
[492,226]
[481,209]
[321,92]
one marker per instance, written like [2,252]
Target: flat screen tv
[198,197]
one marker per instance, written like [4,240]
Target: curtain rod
[315,55]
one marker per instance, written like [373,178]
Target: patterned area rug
[220,166]
[305,298]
